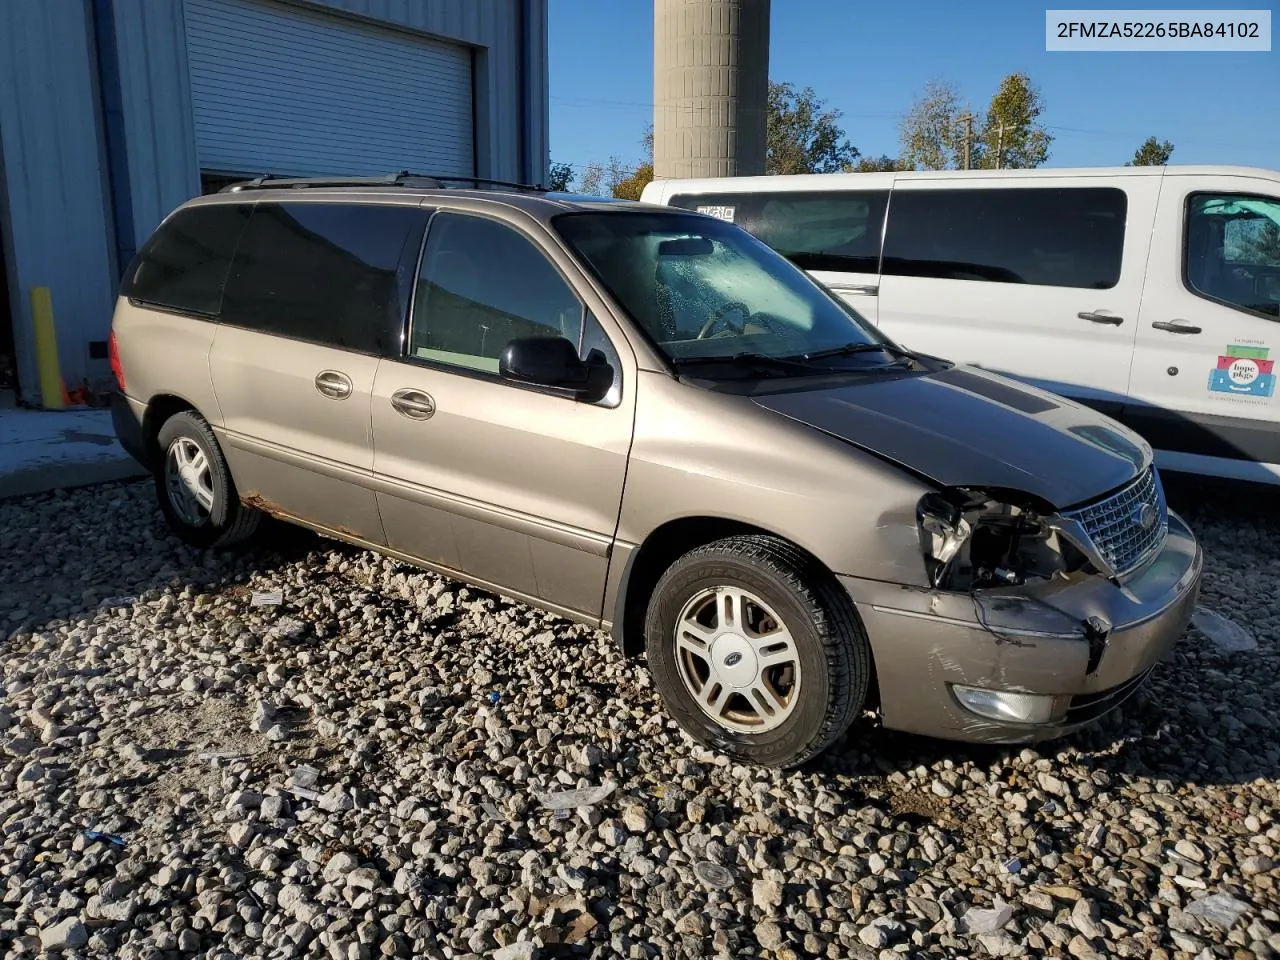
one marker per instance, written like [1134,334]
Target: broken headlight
[971,541]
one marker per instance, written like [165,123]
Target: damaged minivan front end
[1036,620]
[1054,575]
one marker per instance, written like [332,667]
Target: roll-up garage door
[285,90]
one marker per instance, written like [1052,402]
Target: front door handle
[1100,318]
[333,384]
[413,404]
[1176,326]
[869,290]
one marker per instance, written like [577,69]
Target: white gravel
[361,771]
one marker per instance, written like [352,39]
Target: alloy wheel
[737,659]
[188,481]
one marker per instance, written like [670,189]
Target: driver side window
[481,285]
[1232,251]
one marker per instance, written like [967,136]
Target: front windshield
[704,288]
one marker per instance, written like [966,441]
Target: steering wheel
[719,315]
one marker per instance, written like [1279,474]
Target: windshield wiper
[749,360]
[852,348]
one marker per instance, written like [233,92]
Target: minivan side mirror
[554,362]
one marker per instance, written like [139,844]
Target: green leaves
[934,131]
[803,137]
[1012,136]
[1152,153]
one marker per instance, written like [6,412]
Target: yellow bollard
[46,349]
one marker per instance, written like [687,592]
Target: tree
[882,164]
[1152,153]
[932,132]
[1012,136]
[633,186]
[560,177]
[601,179]
[802,136]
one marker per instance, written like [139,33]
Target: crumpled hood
[965,427]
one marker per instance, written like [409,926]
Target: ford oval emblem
[733,659]
[1145,515]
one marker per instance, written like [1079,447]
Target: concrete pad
[47,450]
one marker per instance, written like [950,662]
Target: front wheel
[756,650]
[194,486]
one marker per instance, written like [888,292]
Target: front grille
[1114,524]
[1087,707]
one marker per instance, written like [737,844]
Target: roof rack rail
[486,181]
[402,179]
[271,182]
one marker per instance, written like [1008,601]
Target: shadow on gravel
[62,568]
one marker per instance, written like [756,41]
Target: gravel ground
[358,772]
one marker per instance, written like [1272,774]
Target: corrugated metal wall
[494,26]
[153,57]
[55,169]
[298,92]
[54,180]
[159,133]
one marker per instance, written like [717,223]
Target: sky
[872,60]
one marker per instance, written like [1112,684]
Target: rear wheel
[756,650]
[194,486]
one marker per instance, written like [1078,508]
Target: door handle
[413,404]
[333,384]
[1100,318]
[1176,326]
[869,290]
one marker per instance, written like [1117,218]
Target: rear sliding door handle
[413,404]
[1100,318]
[1176,326]
[333,384]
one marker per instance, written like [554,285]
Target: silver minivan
[646,420]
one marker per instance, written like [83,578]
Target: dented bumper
[1086,642]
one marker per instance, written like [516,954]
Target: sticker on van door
[1244,371]
[719,212]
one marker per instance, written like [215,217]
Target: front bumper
[1029,639]
[126,418]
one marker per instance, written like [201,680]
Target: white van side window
[815,230]
[1048,236]
[1232,251]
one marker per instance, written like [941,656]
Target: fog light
[1005,706]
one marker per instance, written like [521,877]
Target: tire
[801,705]
[221,522]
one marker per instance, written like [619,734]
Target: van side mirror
[554,362]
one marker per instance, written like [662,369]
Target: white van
[1150,293]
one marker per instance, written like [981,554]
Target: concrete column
[711,87]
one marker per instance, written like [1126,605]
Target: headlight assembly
[971,540]
[943,532]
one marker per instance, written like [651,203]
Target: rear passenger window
[184,264]
[324,272]
[827,230]
[483,285]
[1232,251]
[1055,237]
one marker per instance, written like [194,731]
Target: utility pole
[1000,146]
[968,138]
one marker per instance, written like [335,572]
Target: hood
[965,427]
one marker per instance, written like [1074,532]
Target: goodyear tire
[756,650]
[194,486]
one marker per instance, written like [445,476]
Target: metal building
[113,112]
